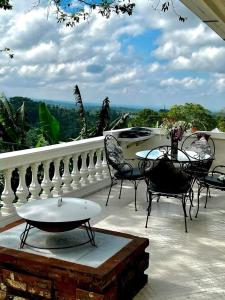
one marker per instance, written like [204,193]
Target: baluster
[22,190]
[8,195]
[91,167]
[75,173]
[66,178]
[84,170]
[105,171]
[98,166]
[46,182]
[57,180]
[35,187]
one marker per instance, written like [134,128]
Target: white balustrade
[86,176]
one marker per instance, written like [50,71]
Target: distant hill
[88,106]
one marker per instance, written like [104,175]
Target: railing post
[22,190]
[91,167]
[98,165]
[35,187]
[105,171]
[46,182]
[75,173]
[56,180]
[84,170]
[7,195]
[66,178]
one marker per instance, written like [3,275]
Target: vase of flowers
[175,131]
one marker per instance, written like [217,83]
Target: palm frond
[118,123]
[81,111]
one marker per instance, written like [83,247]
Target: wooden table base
[37,277]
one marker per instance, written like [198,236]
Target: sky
[149,59]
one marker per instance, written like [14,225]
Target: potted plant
[175,131]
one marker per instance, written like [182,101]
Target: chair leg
[207,195]
[149,208]
[135,195]
[191,205]
[198,196]
[121,185]
[185,213]
[109,194]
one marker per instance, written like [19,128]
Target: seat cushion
[165,177]
[133,174]
[213,181]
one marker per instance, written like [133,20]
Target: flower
[175,129]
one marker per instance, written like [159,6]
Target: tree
[72,12]
[146,117]
[195,114]
[13,125]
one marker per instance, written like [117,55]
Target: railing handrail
[15,159]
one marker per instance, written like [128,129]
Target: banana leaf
[49,124]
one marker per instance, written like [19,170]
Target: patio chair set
[166,174]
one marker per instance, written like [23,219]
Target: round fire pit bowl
[58,215]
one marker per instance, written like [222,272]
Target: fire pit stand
[58,215]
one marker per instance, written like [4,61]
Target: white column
[57,180]
[46,182]
[22,190]
[91,167]
[66,178]
[34,187]
[8,195]
[75,173]
[98,165]
[84,170]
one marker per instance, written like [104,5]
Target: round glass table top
[154,154]
[53,210]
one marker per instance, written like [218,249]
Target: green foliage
[195,114]
[5,4]
[13,124]
[49,124]
[146,118]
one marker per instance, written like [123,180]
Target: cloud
[51,58]
[186,82]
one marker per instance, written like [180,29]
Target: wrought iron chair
[166,176]
[214,179]
[120,168]
[200,147]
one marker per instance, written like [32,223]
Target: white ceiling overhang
[211,12]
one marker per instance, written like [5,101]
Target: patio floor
[182,265]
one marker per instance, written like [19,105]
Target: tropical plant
[49,125]
[13,125]
[103,118]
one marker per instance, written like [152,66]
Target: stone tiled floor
[182,265]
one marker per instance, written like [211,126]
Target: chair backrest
[199,143]
[114,153]
[201,147]
[167,172]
